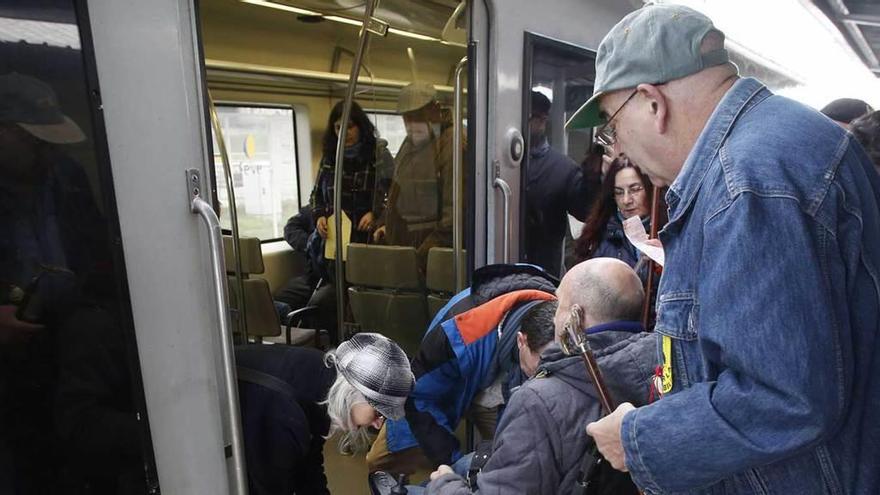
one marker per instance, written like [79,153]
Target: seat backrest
[251,255]
[440,277]
[262,318]
[386,293]
[385,267]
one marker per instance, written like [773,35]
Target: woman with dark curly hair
[625,193]
[366,171]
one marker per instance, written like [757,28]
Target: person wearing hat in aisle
[293,398]
[845,110]
[769,203]
[555,188]
[419,209]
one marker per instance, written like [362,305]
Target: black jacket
[556,186]
[284,439]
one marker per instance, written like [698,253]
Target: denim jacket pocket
[676,315]
[677,319]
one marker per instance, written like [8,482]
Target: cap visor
[67,132]
[587,115]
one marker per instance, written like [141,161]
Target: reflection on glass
[68,416]
[419,212]
[556,187]
[262,153]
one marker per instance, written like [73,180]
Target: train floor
[347,475]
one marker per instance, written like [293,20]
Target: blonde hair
[341,398]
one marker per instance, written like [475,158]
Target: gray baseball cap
[32,104]
[379,369]
[415,95]
[653,45]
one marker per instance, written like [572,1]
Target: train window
[557,78]
[390,128]
[72,409]
[261,142]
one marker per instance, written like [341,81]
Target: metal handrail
[218,264]
[233,215]
[338,167]
[505,190]
[457,173]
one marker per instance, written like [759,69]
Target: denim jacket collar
[740,97]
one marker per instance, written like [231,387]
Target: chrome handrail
[369,6]
[457,173]
[218,264]
[233,215]
[505,190]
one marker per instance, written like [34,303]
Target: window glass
[72,411]
[262,153]
[390,128]
[559,78]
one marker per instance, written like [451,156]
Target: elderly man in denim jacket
[769,308]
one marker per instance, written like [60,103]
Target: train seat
[386,292]
[439,280]
[262,318]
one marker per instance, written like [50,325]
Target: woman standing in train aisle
[366,174]
[293,398]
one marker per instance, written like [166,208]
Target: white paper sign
[637,236]
[330,242]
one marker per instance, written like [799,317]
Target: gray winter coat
[541,440]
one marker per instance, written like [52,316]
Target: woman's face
[630,194]
[363,414]
[352,136]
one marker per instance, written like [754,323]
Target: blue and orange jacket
[463,352]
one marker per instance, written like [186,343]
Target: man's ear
[659,106]
[521,340]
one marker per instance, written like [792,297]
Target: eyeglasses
[632,190]
[606,135]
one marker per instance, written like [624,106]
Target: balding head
[606,290]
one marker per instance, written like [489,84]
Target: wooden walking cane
[575,341]
[649,283]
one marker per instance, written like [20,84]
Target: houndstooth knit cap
[379,369]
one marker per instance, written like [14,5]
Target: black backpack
[597,477]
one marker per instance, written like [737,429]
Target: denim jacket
[771,299]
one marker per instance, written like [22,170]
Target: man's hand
[379,234]
[14,330]
[321,224]
[443,469]
[606,433]
[366,222]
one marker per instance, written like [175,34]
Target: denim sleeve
[772,377]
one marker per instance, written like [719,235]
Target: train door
[73,417]
[526,45]
[149,94]
[404,192]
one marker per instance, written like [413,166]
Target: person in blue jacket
[469,358]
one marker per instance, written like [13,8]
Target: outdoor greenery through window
[262,156]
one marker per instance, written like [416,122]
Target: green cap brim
[587,115]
